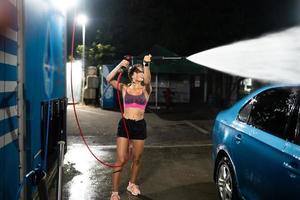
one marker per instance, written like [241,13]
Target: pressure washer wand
[167,57]
[160,57]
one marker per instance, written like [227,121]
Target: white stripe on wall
[11,59]
[11,34]
[8,86]
[13,2]
[8,138]
[1,57]
[8,112]
[1,142]
[7,58]
[2,86]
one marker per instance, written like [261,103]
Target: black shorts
[137,130]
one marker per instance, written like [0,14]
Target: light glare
[82,19]
[64,5]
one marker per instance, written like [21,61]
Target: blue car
[256,146]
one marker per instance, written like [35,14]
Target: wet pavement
[176,163]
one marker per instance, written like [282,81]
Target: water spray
[273,57]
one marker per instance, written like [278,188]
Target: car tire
[225,180]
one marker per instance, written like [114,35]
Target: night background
[184,27]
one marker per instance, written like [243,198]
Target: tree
[97,54]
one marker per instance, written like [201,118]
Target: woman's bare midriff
[134,113]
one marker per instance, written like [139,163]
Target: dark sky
[184,26]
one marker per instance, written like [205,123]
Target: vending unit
[107,94]
[32,93]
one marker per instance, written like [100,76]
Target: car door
[259,142]
[291,163]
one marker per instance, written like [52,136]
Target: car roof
[275,85]
[267,87]
[236,107]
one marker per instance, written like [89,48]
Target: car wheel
[225,180]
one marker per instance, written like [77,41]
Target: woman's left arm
[147,74]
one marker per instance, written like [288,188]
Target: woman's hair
[133,69]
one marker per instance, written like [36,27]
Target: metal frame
[21,107]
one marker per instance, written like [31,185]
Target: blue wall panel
[8,125]
[9,46]
[8,99]
[45,60]
[1,162]
[2,76]
[8,72]
[1,115]
[9,150]
[11,170]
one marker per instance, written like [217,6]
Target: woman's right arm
[112,74]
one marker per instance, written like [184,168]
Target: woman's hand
[124,63]
[147,74]
[147,58]
[118,69]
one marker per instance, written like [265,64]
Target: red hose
[77,119]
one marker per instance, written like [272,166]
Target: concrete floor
[176,163]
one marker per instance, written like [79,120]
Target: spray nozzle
[128,58]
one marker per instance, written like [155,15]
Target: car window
[245,111]
[272,109]
[297,130]
[293,132]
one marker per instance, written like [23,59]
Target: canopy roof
[165,61]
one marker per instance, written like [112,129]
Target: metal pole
[21,106]
[156,91]
[83,62]
[205,89]
[60,168]
[83,46]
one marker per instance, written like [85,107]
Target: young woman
[135,98]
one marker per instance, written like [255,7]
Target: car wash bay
[176,163]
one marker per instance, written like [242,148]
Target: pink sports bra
[135,101]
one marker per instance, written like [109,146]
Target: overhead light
[82,19]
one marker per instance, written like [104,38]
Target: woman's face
[138,75]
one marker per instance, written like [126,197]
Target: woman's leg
[122,144]
[138,148]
